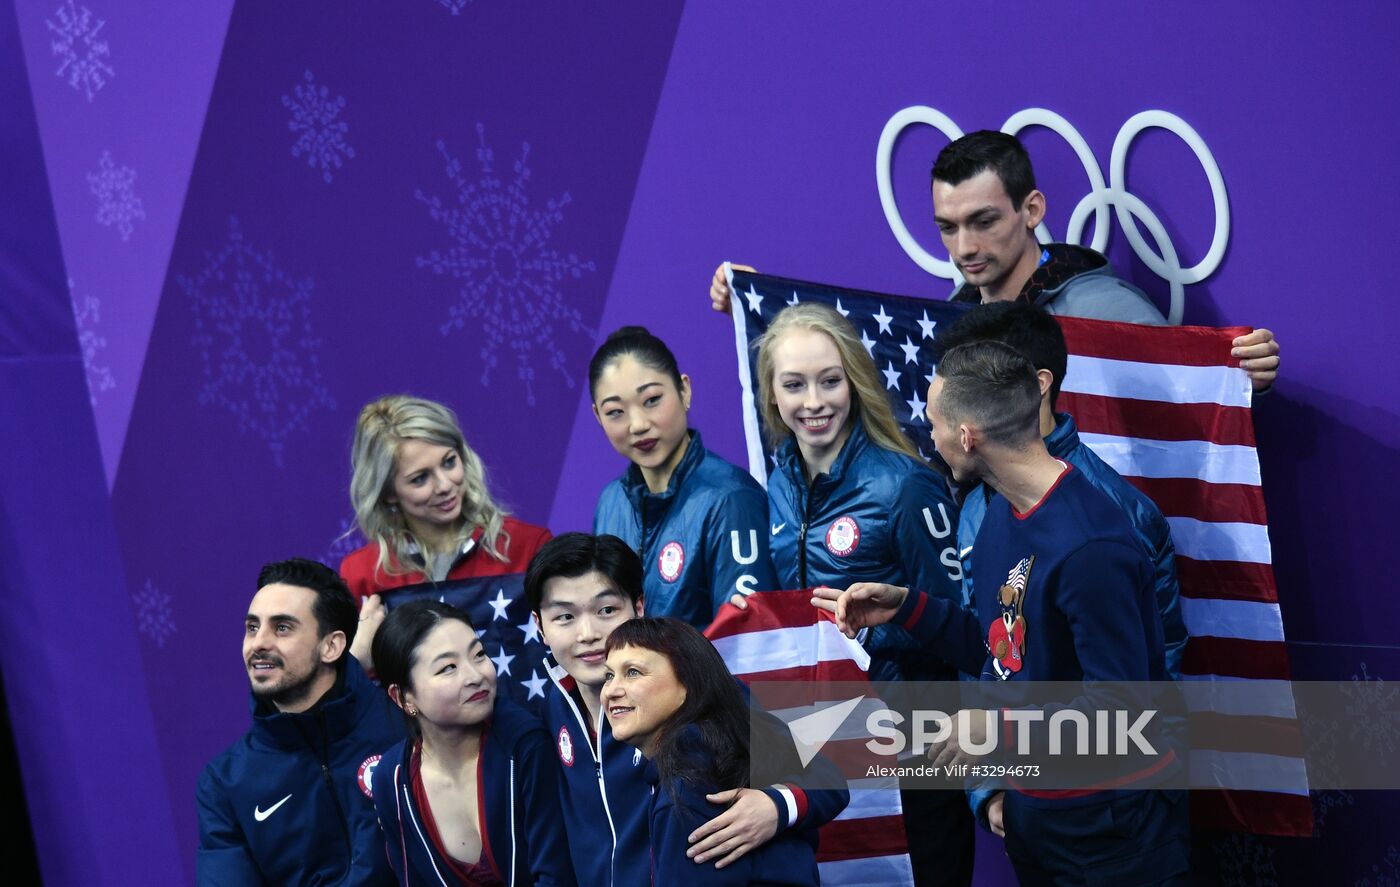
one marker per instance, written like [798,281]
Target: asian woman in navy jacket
[667,692]
[472,797]
[698,523]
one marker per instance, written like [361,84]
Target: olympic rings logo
[1129,209]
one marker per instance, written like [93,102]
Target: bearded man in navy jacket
[289,802]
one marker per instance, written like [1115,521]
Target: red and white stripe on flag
[782,637]
[1169,409]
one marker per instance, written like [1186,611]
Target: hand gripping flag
[1169,409]
[781,637]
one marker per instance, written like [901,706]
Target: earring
[410,711]
[393,509]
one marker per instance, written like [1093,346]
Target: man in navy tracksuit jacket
[580,587]
[1064,593]
[701,541]
[1038,336]
[522,835]
[289,802]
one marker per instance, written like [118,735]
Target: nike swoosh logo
[260,814]
[964,553]
[778,528]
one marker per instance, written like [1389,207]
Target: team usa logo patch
[566,747]
[843,536]
[366,775]
[1006,639]
[671,562]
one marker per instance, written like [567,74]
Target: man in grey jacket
[987,208]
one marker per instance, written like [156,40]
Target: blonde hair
[385,424]
[871,406]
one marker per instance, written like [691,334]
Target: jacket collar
[789,457]
[333,717]
[1065,438]
[638,493]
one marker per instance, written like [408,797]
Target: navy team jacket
[1147,520]
[1088,606]
[518,786]
[875,516]
[701,541]
[607,797]
[678,808]
[289,802]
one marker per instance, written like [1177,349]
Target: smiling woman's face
[640,693]
[452,680]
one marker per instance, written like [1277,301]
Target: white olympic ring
[1128,208]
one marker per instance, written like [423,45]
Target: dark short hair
[638,343]
[571,555]
[993,386]
[714,705]
[399,637]
[1030,330]
[987,149]
[334,607]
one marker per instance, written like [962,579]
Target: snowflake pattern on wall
[347,540]
[1373,713]
[114,188]
[154,616]
[320,134]
[1246,861]
[255,342]
[82,53]
[453,6]
[87,313]
[511,279]
[1385,873]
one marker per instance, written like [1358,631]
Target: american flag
[502,619]
[1169,409]
[782,639]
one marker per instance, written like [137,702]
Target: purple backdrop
[242,221]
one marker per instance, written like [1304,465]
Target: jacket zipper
[330,786]
[802,535]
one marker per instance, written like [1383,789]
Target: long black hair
[714,705]
[397,641]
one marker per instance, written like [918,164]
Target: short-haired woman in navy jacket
[472,797]
[699,524]
[668,693]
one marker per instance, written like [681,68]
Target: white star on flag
[931,373]
[754,299]
[891,377]
[883,320]
[531,629]
[841,311]
[498,606]
[916,408]
[502,660]
[793,300]
[535,685]
[911,351]
[925,326]
[869,344]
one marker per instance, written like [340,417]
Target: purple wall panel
[73,678]
[120,91]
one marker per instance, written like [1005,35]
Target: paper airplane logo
[813,731]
